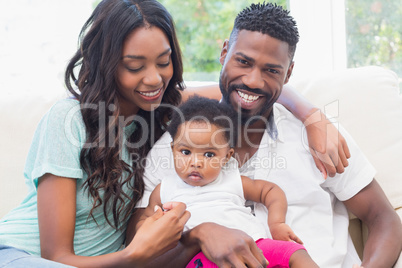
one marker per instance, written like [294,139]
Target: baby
[209,183]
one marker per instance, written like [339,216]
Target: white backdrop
[37,38]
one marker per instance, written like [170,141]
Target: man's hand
[327,146]
[227,247]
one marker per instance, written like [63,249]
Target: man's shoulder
[162,147]
[163,142]
[281,113]
[287,125]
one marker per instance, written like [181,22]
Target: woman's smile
[151,95]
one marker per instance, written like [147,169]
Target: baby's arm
[153,205]
[274,199]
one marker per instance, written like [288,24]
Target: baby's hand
[282,231]
[357,266]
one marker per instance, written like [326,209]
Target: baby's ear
[229,154]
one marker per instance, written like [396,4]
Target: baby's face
[200,150]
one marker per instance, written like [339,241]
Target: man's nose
[253,79]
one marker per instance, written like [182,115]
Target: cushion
[19,115]
[367,102]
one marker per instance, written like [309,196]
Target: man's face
[254,70]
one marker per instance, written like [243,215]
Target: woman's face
[144,71]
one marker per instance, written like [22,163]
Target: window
[334,34]
[374,33]
[339,34]
[202,27]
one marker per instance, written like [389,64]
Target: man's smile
[247,97]
[247,100]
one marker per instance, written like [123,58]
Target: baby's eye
[209,154]
[185,152]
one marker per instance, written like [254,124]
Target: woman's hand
[226,247]
[159,232]
[327,146]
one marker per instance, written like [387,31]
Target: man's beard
[245,116]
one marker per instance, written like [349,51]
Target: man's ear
[224,51]
[289,73]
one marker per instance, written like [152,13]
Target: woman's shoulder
[64,105]
[65,110]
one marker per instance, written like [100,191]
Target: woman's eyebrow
[138,57]
[167,51]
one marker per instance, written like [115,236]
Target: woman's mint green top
[56,149]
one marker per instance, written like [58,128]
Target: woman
[84,169]
[83,178]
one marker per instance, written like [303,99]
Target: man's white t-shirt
[315,211]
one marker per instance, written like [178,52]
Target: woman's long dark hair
[99,54]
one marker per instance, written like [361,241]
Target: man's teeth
[151,94]
[246,97]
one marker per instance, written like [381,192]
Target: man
[256,62]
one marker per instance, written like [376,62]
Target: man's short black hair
[270,19]
[201,109]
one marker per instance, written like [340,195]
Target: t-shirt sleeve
[159,165]
[57,143]
[356,176]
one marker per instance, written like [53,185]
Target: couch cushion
[19,115]
[366,101]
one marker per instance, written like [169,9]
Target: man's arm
[224,246]
[384,243]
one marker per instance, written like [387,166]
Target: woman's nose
[152,77]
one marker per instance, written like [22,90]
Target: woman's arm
[208,91]
[56,214]
[274,199]
[327,146]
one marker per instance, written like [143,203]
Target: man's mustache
[257,91]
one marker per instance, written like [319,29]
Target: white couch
[365,100]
